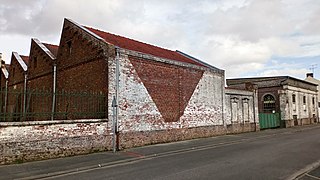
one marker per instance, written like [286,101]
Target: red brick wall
[269,90]
[3,81]
[15,88]
[169,86]
[82,63]
[16,75]
[40,69]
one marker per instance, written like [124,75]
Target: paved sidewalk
[47,168]
[312,173]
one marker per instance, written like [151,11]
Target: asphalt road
[273,154]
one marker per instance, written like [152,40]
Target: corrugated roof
[134,45]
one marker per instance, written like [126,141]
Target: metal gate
[269,120]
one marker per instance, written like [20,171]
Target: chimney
[310,75]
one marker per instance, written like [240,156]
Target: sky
[246,38]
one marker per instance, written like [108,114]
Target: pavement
[68,165]
[311,172]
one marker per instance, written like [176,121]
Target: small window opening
[313,101]
[35,62]
[293,98]
[304,100]
[69,43]
[13,72]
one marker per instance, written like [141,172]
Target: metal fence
[35,104]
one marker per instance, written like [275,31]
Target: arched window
[269,103]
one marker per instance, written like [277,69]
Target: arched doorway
[269,104]
[269,118]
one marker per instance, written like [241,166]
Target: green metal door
[269,120]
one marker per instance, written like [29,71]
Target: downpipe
[115,108]
[54,90]
[25,96]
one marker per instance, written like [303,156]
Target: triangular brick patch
[169,86]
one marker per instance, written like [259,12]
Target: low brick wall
[37,140]
[300,122]
[134,139]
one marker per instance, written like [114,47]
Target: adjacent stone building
[311,79]
[241,109]
[292,100]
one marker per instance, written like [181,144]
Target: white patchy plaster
[205,105]
[137,111]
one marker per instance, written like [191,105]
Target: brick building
[28,73]
[158,89]
[4,75]
[160,96]
[40,69]
[40,78]
[292,100]
[17,84]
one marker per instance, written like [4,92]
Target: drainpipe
[115,103]
[25,95]
[54,90]
[223,100]
[5,99]
[254,110]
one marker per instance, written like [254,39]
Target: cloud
[284,72]
[231,34]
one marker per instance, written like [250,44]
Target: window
[304,100]
[313,102]
[69,43]
[234,109]
[245,109]
[35,62]
[269,103]
[293,98]
[13,72]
